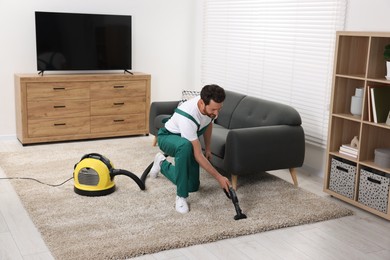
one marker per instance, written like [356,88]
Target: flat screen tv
[73,41]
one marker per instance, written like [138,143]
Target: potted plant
[386,55]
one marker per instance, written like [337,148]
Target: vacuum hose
[140,181]
[116,172]
[146,172]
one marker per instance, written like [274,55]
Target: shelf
[373,137]
[373,165]
[357,76]
[343,131]
[382,125]
[344,88]
[350,158]
[352,55]
[381,80]
[377,63]
[359,63]
[348,117]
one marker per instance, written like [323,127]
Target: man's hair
[212,92]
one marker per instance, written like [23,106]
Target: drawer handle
[118,120]
[119,104]
[59,88]
[341,169]
[59,106]
[373,180]
[119,86]
[60,124]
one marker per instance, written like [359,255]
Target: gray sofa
[250,135]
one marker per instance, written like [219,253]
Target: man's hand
[208,155]
[224,183]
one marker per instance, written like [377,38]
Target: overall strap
[181,112]
[199,131]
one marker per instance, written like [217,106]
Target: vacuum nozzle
[233,196]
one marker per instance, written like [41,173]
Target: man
[180,139]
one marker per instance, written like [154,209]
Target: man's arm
[207,141]
[205,164]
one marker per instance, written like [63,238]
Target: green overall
[185,172]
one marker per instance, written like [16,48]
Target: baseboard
[8,137]
[315,171]
[315,160]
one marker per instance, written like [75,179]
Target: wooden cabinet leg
[155,141]
[234,181]
[294,176]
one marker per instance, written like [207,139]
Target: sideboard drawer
[105,124]
[57,91]
[117,106]
[58,127]
[134,88]
[55,109]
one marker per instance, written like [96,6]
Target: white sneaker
[158,159]
[181,205]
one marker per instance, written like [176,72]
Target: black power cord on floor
[32,179]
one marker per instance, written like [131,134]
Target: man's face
[212,109]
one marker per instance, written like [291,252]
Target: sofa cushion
[219,140]
[229,105]
[252,112]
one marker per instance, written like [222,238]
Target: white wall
[163,41]
[364,15]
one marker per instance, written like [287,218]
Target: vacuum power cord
[32,179]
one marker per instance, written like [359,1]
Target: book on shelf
[369,103]
[380,103]
[348,154]
[347,149]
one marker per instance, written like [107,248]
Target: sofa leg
[155,141]
[294,176]
[234,181]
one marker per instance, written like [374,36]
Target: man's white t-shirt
[179,124]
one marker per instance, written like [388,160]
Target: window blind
[279,50]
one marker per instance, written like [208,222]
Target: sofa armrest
[160,109]
[256,149]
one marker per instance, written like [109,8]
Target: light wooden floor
[362,236]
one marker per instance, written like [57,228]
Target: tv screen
[70,41]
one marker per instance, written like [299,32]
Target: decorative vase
[357,102]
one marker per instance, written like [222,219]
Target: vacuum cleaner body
[94,176]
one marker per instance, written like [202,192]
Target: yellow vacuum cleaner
[94,176]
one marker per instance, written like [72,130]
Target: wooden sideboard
[65,107]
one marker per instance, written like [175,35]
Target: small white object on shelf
[382,157]
[356,102]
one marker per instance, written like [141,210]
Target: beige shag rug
[131,222]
